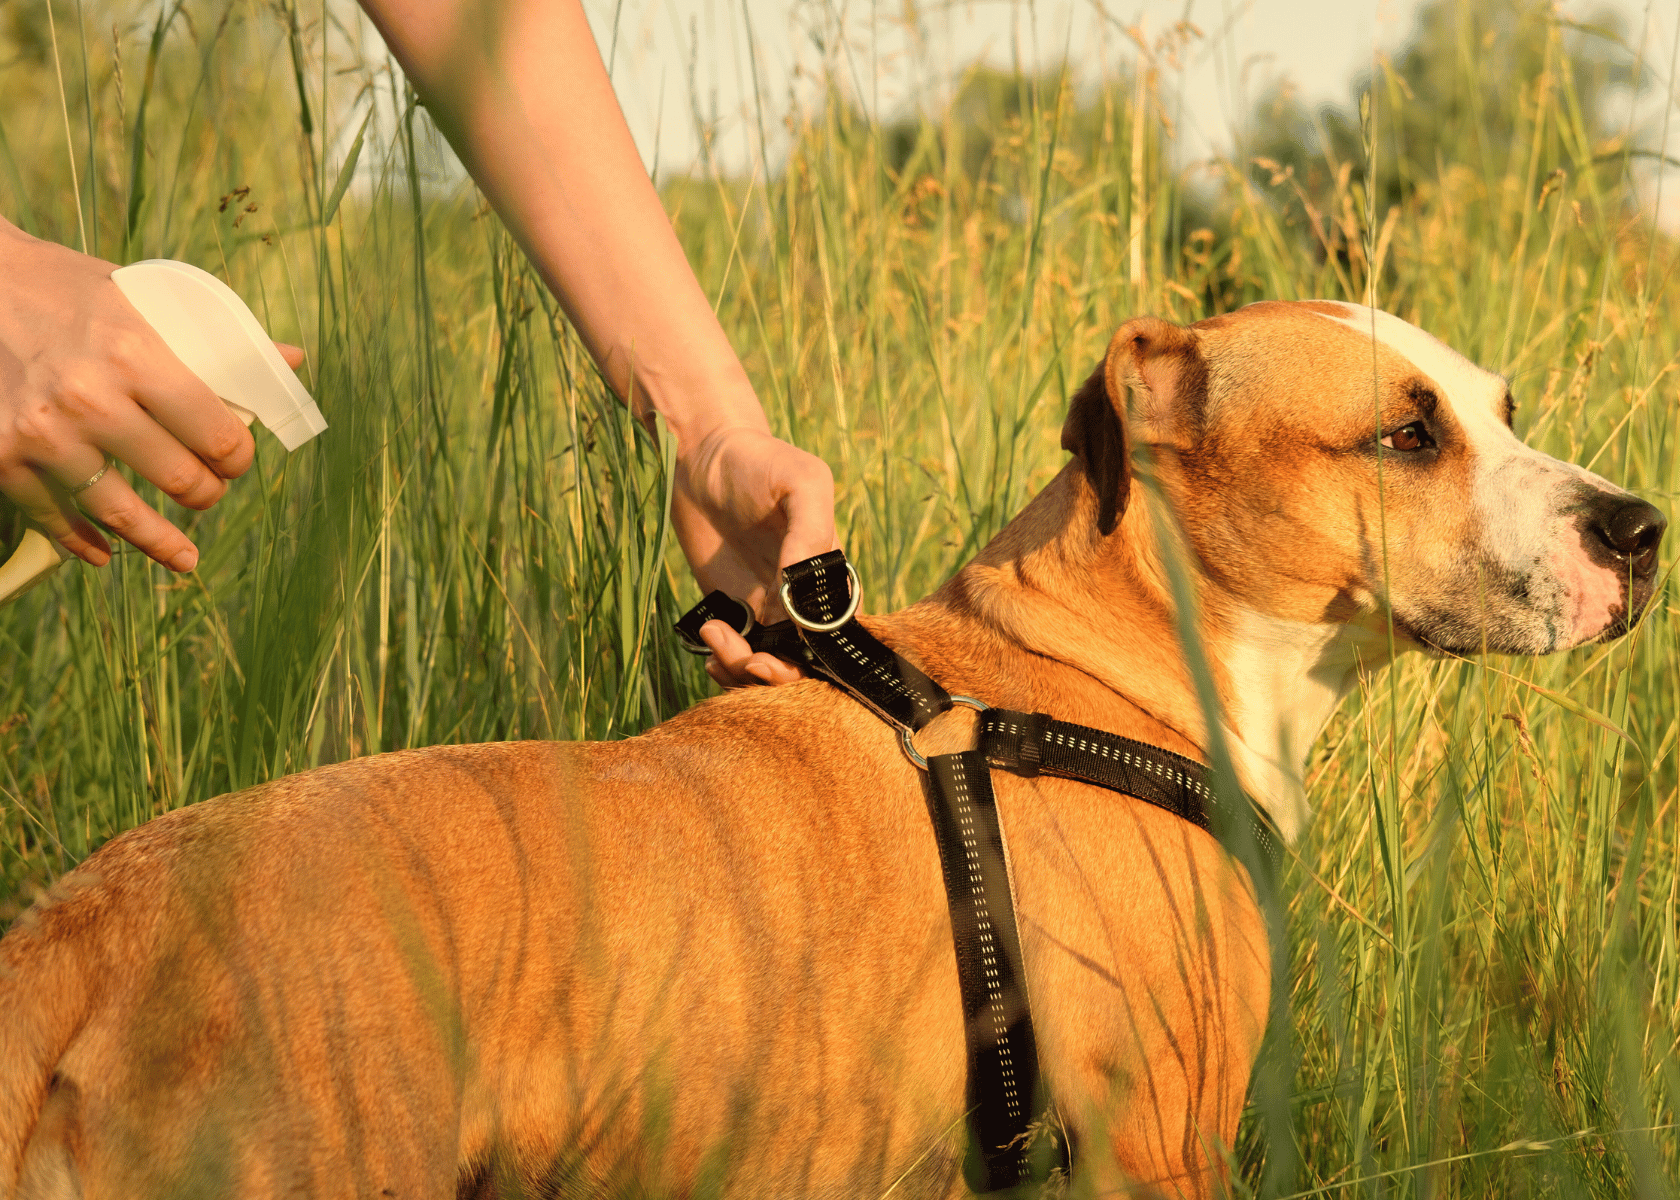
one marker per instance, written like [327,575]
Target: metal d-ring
[909,747]
[825,626]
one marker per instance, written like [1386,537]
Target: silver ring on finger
[94,478]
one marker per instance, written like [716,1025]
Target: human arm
[519,89]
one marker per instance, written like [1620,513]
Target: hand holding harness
[1004,1099]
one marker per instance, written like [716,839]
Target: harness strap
[897,690]
[1034,743]
[1003,1092]
[714,606]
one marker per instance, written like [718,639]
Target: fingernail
[184,561]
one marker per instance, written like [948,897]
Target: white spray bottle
[215,335]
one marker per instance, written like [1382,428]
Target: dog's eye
[1409,437]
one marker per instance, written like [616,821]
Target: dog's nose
[1632,530]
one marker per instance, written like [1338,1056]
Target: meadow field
[1483,923]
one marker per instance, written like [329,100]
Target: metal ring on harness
[825,626]
[909,747]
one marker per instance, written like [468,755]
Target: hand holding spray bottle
[217,338]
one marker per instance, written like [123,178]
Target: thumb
[292,354]
[810,521]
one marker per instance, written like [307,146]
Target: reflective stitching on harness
[1264,838]
[988,944]
[1116,755]
[858,656]
[1131,760]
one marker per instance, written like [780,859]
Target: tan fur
[718,956]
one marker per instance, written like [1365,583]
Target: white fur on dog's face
[1539,586]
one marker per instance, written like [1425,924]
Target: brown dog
[717,957]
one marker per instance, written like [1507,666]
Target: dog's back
[715,954]
[543,942]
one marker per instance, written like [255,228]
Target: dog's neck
[1101,647]
[1280,681]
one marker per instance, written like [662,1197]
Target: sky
[671,58]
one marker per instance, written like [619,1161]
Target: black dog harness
[1005,1103]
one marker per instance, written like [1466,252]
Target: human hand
[84,380]
[747,504]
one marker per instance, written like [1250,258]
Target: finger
[292,354]
[155,455]
[114,503]
[730,655]
[182,405]
[64,524]
[767,668]
[734,663]
[760,669]
[809,509]
[721,676]
[180,401]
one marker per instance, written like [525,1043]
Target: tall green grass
[1484,980]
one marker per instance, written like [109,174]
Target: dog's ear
[1158,379]
[1094,435]
[1153,386]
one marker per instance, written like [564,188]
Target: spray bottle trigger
[211,331]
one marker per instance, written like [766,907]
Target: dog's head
[1322,455]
